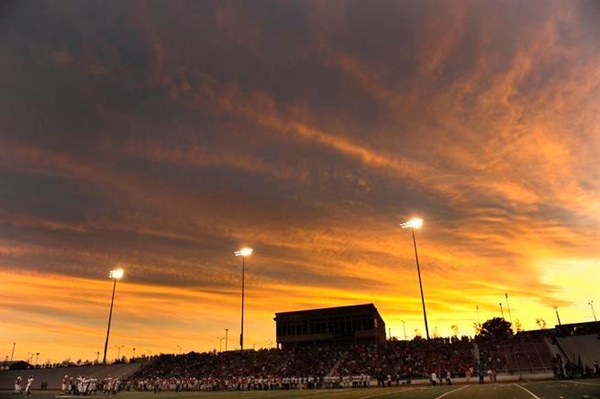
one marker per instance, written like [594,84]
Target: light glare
[414,223]
[116,274]
[243,252]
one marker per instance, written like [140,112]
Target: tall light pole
[508,307]
[119,351]
[501,311]
[415,224]
[557,316]
[13,352]
[404,328]
[226,338]
[591,303]
[243,253]
[115,275]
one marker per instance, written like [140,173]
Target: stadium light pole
[13,352]
[557,316]
[243,253]
[413,224]
[404,328]
[501,311]
[115,275]
[508,307]
[226,338]
[119,350]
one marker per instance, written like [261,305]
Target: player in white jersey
[18,387]
[28,386]
[65,385]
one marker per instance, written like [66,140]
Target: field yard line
[527,390]
[389,393]
[583,383]
[454,390]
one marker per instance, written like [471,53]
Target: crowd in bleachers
[308,366]
[522,352]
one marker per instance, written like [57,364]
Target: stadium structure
[346,347]
[357,324]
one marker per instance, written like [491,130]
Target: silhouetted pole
[243,253]
[412,224]
[508,307]
[115,275]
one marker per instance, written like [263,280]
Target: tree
[477,328]
[496,329]
[541,323]
[454,329]
[518,326]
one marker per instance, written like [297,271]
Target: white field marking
[527,390]
[389,393]
[583,383]
[454,390]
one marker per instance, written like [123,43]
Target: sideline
[378,394]
[527,390]
[583,383]
[454,390]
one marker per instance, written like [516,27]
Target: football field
[577,389]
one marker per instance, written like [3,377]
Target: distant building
[357,324]
[16,365]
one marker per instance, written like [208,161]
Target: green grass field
[586,389]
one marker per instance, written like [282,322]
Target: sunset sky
[162,136]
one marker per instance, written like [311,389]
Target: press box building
[357,324]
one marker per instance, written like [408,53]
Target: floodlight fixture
[414,223]
[116,274]
[244,252]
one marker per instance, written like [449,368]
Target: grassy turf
[587,389]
